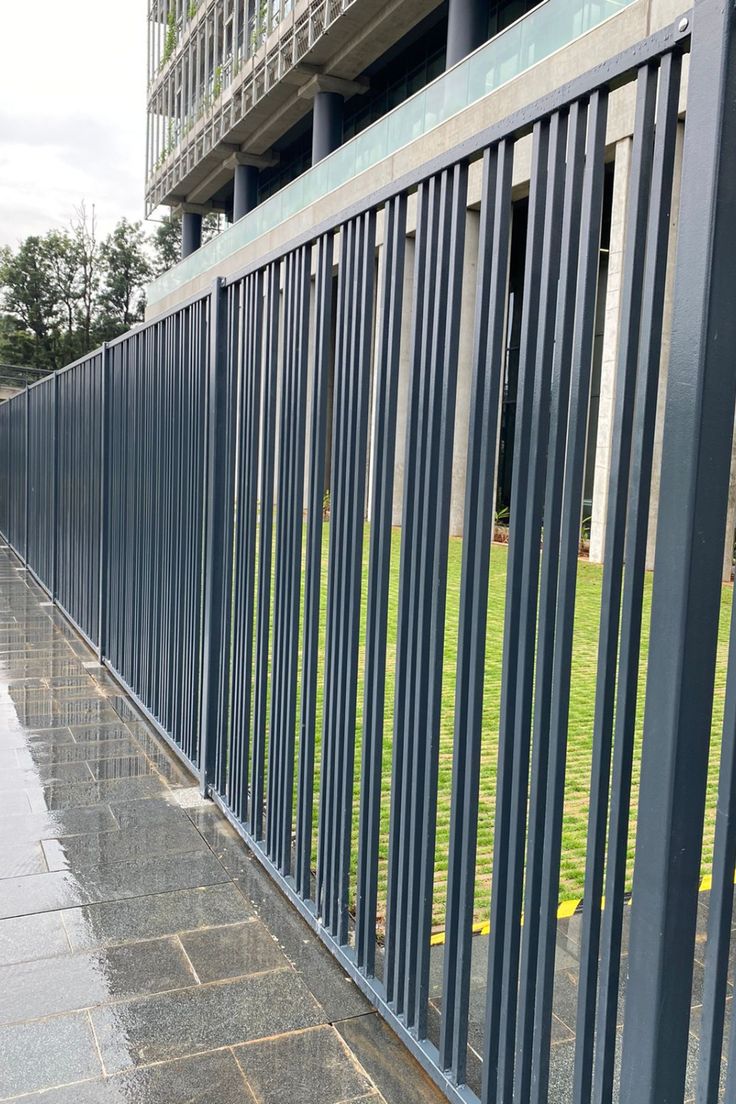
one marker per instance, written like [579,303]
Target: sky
[72,113]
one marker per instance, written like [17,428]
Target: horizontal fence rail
[245,507]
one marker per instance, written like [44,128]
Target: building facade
[281,114]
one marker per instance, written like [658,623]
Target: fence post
[699,417]
[104,498]
[55,487]
[27,480]
[218,534]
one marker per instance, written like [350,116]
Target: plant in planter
[170,41]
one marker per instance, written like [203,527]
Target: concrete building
[281,114]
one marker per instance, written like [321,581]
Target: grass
[580,725]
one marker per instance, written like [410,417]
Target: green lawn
[580,722]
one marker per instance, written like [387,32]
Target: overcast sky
[72,112]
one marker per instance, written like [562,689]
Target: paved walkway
[144,954]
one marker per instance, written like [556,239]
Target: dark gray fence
[169,493]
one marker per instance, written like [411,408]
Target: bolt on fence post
[104,498]
[698,427]
[218,533]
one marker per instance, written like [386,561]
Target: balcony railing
[266,69]
[534,37]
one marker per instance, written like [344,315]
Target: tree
[84,235]
[126,268]
[31,297]
[167,244]
[64,293]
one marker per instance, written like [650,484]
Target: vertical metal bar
[337,647]
[387,369]
[54,500]
[401,783]
[488,356]
[219,517]
[26,486]
[271,346]
[363,345]
[629,326]
[427,731]
[544,236]
[698,429]
[513,754]
[104,501]
[635,551]
[313,579]
[535,427]
[326,797]
[567,581]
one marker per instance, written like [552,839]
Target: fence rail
[210,500]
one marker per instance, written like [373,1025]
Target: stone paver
[144,953]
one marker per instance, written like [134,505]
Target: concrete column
[403,397]
[245,195]
[191,232]
[664,359]
[464,374]
[611,340]
[327,124]
[467,24]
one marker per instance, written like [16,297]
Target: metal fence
[169,492]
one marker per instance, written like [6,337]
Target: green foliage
[217,84]
[127,269]
[192,9]
[63,293]
[579,731]
[258,36]
[170,40]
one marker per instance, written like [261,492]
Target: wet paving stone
[20,740]
[220,953]
[24,938]
[108,882]
[115,909]
[98,733]
[214,1078]
[39,893]
[47,1053]
[62,822]
[396,1075]
[157,915]
[66,983]
[74,752]
[313,1067]
[320,972]
[21,858]
[69,714]
[161,1028]
[144,813]
[69,682]
[90,851]
[128,766]
[93,793]
[47,773]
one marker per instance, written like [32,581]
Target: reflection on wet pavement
[145,957]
